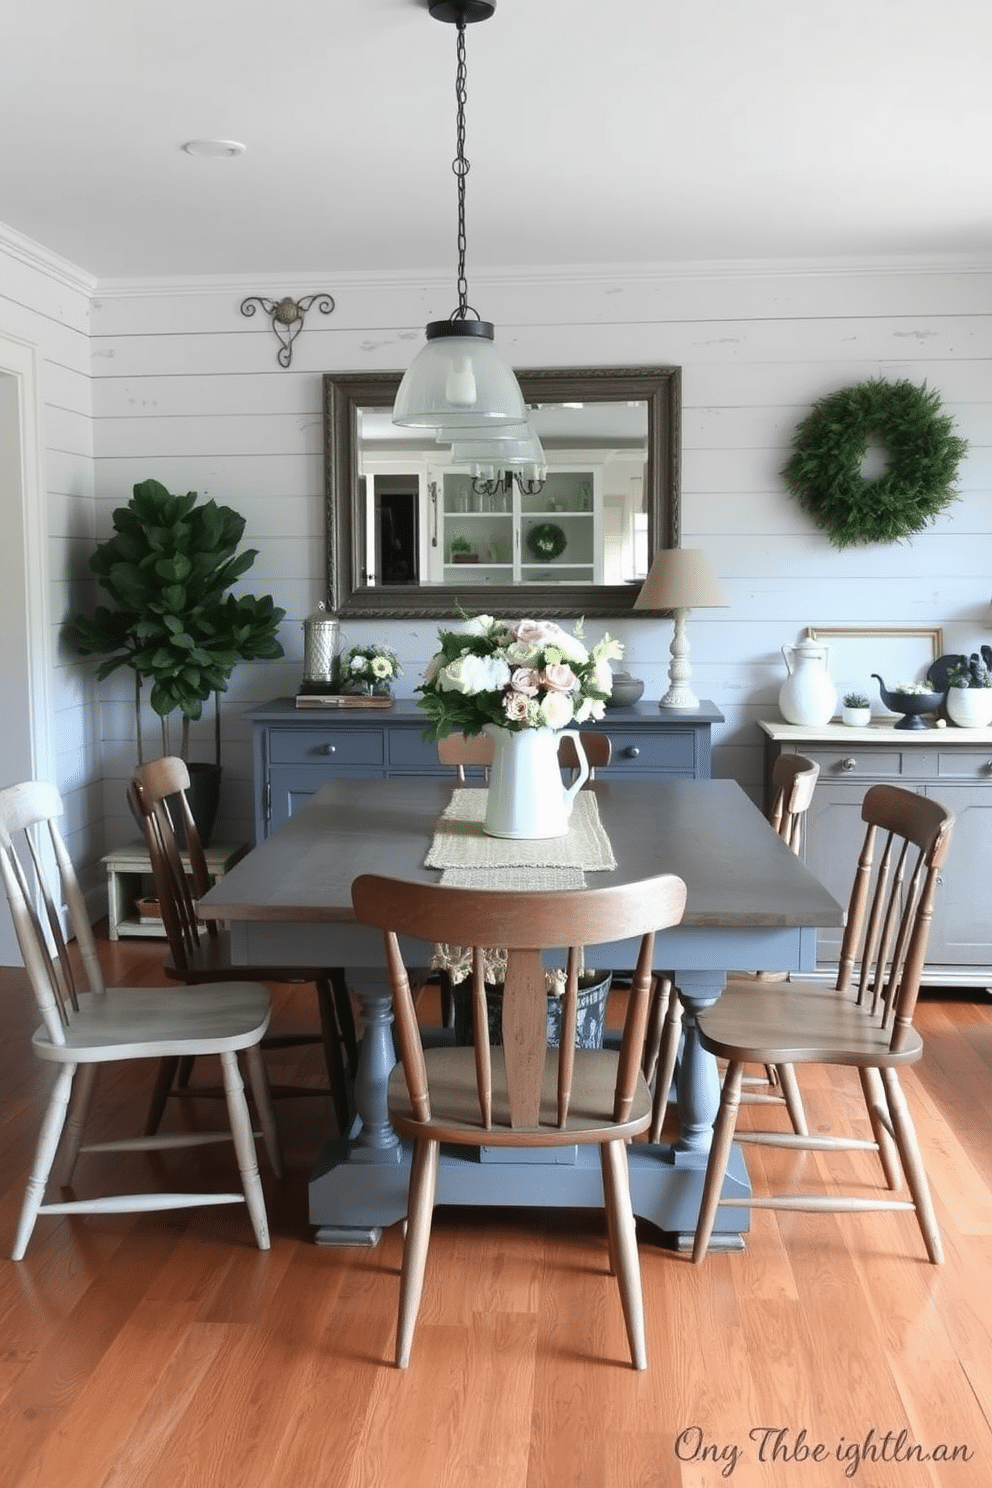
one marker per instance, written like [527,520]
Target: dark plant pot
[204,799]
[590,1022]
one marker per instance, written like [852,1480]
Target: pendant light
[459,380]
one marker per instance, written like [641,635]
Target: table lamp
[680,579]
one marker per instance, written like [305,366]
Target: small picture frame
[898,653]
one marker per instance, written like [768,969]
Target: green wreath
[824,472]
[547,541]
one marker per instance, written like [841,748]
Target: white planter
[856,717]
[969,707]
[526,797]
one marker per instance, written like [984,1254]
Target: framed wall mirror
[411,533]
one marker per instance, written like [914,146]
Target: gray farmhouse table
[751,904]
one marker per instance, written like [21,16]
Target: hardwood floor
[161,1350]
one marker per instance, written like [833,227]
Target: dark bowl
[910,704]
[627,690]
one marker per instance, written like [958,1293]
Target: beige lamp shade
[680,579]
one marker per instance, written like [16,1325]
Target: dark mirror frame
[660,388]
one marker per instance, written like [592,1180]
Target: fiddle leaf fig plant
[168,569]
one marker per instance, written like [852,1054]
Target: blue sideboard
[294,750]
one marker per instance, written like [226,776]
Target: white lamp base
[679,694]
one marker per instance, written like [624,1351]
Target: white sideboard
[953,765]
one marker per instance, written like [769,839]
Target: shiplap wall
[46,303]
[187,390]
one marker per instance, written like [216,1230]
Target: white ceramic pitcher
[526,795]
[807,696]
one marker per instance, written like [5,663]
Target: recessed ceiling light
[214,149]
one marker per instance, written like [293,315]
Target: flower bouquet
[369,669]
[515,674]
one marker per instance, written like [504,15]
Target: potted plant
[969,691]
[856,710]
[370,669]
[168,569]
[462,551]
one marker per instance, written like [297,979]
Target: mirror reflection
[416,527]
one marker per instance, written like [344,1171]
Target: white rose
[590,708]
[471,674]
[358,663]
[537,632]
[478,625]
[556,710]
[571,648]
[603,677]
[522,653]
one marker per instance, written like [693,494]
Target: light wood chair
[794,780]
[462,753]
[85,1024]
[200,953]
[865,1021]
[522,1094]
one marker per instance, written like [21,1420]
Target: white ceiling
[599,131]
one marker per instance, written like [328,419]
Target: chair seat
[798,1023]
[455,1102]
[147,1023]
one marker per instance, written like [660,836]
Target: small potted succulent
[969,691]
[856,710]
[462,551]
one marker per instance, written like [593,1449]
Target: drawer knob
[631,752]
[328,749]
[849,764]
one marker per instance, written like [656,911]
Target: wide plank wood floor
[156,1351]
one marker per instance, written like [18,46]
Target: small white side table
[129,877]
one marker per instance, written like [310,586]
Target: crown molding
[330,281]
[36,256]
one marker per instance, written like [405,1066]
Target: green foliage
[168,569]
[824,472]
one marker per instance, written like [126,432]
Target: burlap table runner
[470,859]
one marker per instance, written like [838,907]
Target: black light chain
[460,166]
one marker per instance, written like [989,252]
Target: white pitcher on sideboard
[526,795]
[807,696]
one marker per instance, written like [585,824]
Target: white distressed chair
[86,1024]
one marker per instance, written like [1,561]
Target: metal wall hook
[287,317]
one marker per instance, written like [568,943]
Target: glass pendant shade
[459,381]
[485,456]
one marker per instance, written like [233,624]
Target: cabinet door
[962,931]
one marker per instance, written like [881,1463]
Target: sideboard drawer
[673,751]
[859,764]
[965,764]
[338,746]
[408,750]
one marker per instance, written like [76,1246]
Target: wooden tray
[341,700]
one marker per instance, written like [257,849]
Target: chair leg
[244,1146]
[623,1228]
[48,1141]
[447,992]
[668,1055]
[786,1075]
[716,1167]
[423,1182]
[879,1115]
[167,1070]
[661,991]
[333,1058]
[912,1161]
[345,1016]
[79,1109]
[258,1079]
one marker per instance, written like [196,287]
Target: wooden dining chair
[200,952]
[794,780]
[520,1094]
[85,1024]
[477,752]
[865,1021]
